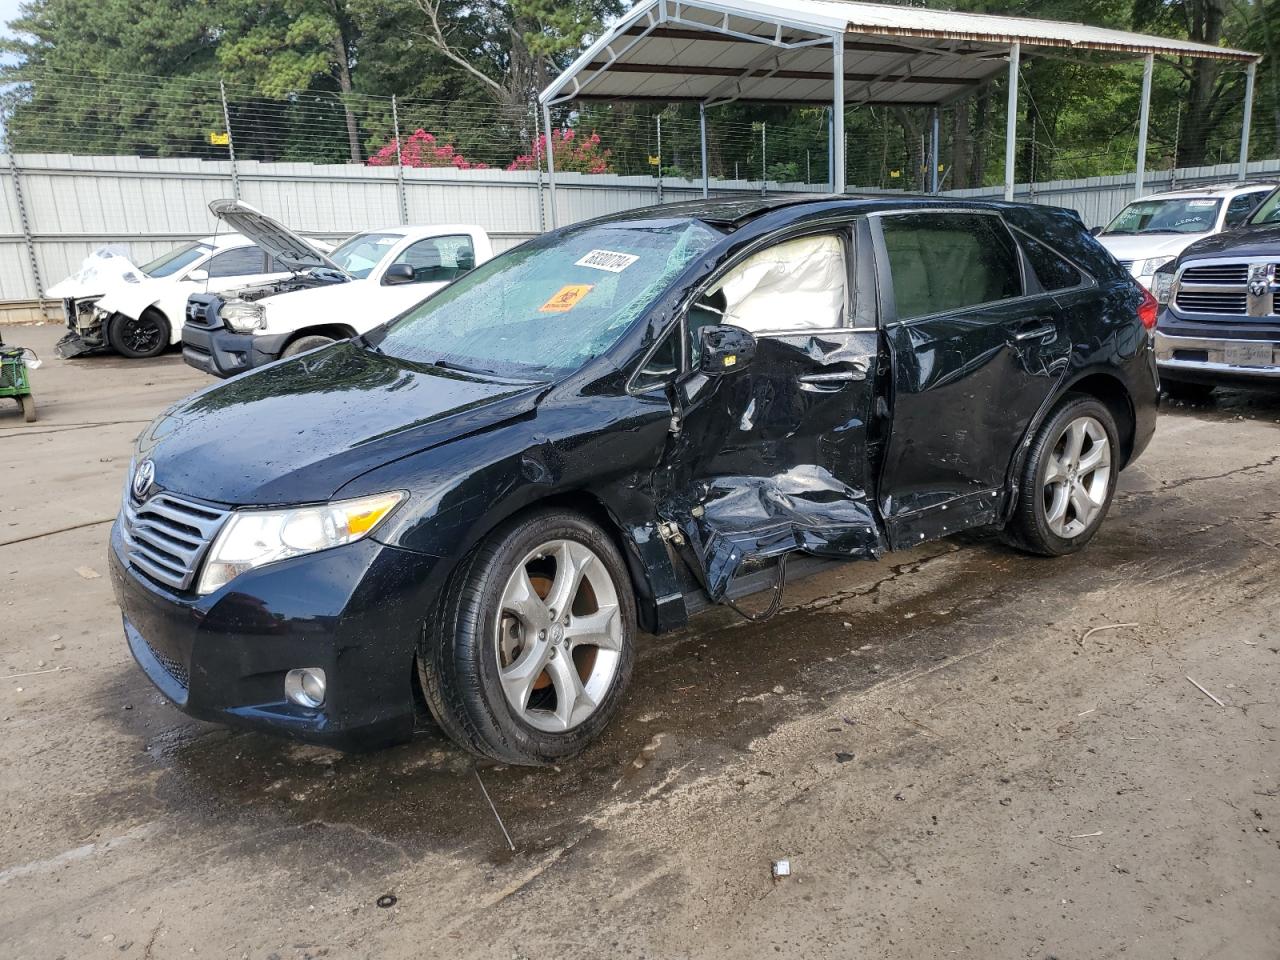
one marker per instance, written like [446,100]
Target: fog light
[305,686]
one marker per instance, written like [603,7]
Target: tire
[482,633]
[141,338]
[1187,392]
[303,344]
[28,404]
[1054,517]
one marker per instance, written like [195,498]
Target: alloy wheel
[1077,478]
[141,335]
[559,636]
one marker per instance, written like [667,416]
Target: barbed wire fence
[61,112]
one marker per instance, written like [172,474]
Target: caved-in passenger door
[773,458]
[976,349]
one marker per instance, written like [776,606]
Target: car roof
[1212,190]
[734,212]
[423,230]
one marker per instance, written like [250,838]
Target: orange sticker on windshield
[566,298]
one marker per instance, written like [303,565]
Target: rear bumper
[354,611]
[222,353]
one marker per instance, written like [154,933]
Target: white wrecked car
[365,281]
[138,311]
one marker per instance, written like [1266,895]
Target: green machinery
[14,379]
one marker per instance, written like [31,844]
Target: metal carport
[713,52]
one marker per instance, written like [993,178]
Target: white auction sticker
[608,260]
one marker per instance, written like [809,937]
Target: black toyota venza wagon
[609,427]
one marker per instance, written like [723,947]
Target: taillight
[1148,309]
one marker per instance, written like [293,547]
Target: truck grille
[1199,301]
[1228,288]
[1217,273]
[166,537]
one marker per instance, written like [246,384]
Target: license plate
[1243,354]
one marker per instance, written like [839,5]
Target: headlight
[1162,287]
[1148,267]
[252,538]
[242,316]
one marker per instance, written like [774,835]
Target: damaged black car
[607,428]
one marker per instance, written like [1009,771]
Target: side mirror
[199,276]
[398,273]
[466,263]
[725,349]
[1094,231]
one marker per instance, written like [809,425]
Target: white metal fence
[55,209]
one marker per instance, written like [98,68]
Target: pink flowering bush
[572,153]
[422,149]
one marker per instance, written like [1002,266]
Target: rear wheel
[28,404]
[303,344]
[532,644]
[139,337]
[1068,481]
[1187,392]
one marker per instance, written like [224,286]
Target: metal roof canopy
[714,52]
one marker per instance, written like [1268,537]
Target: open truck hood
[272,236]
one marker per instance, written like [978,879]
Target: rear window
[948,261]
[1053,272]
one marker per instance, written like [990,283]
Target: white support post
[1250,76]
[659,159]
[934,126]
[837,115]
[1144,115]
[1011,121]
[551,164]
[702,132]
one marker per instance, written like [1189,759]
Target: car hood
[289,248]
[298,430]
[100,271]
[1246,241]
[1146,247]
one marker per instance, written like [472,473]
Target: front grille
[166,537]
[1127,264]
[1217,273]
[1202,301]
[202,310]
[171,666]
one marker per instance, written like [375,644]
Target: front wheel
[303,344]
[139,337]
[531,646]
[28,404]
[1068,480]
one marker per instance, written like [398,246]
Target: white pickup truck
[367,280]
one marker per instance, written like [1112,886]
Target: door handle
[831,382]
[1038,329]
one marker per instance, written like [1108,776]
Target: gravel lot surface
[952,756]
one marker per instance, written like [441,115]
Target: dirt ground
[952,756]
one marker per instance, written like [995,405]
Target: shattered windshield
[359,255]
[175,260]
[1181,215]
[550,305]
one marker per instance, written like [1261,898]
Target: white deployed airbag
[796,285]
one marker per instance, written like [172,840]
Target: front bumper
[1203,359]
[355,611]
[223,353]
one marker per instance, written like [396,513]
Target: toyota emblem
[143,477]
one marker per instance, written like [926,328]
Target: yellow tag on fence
[566,298]
[219,139]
